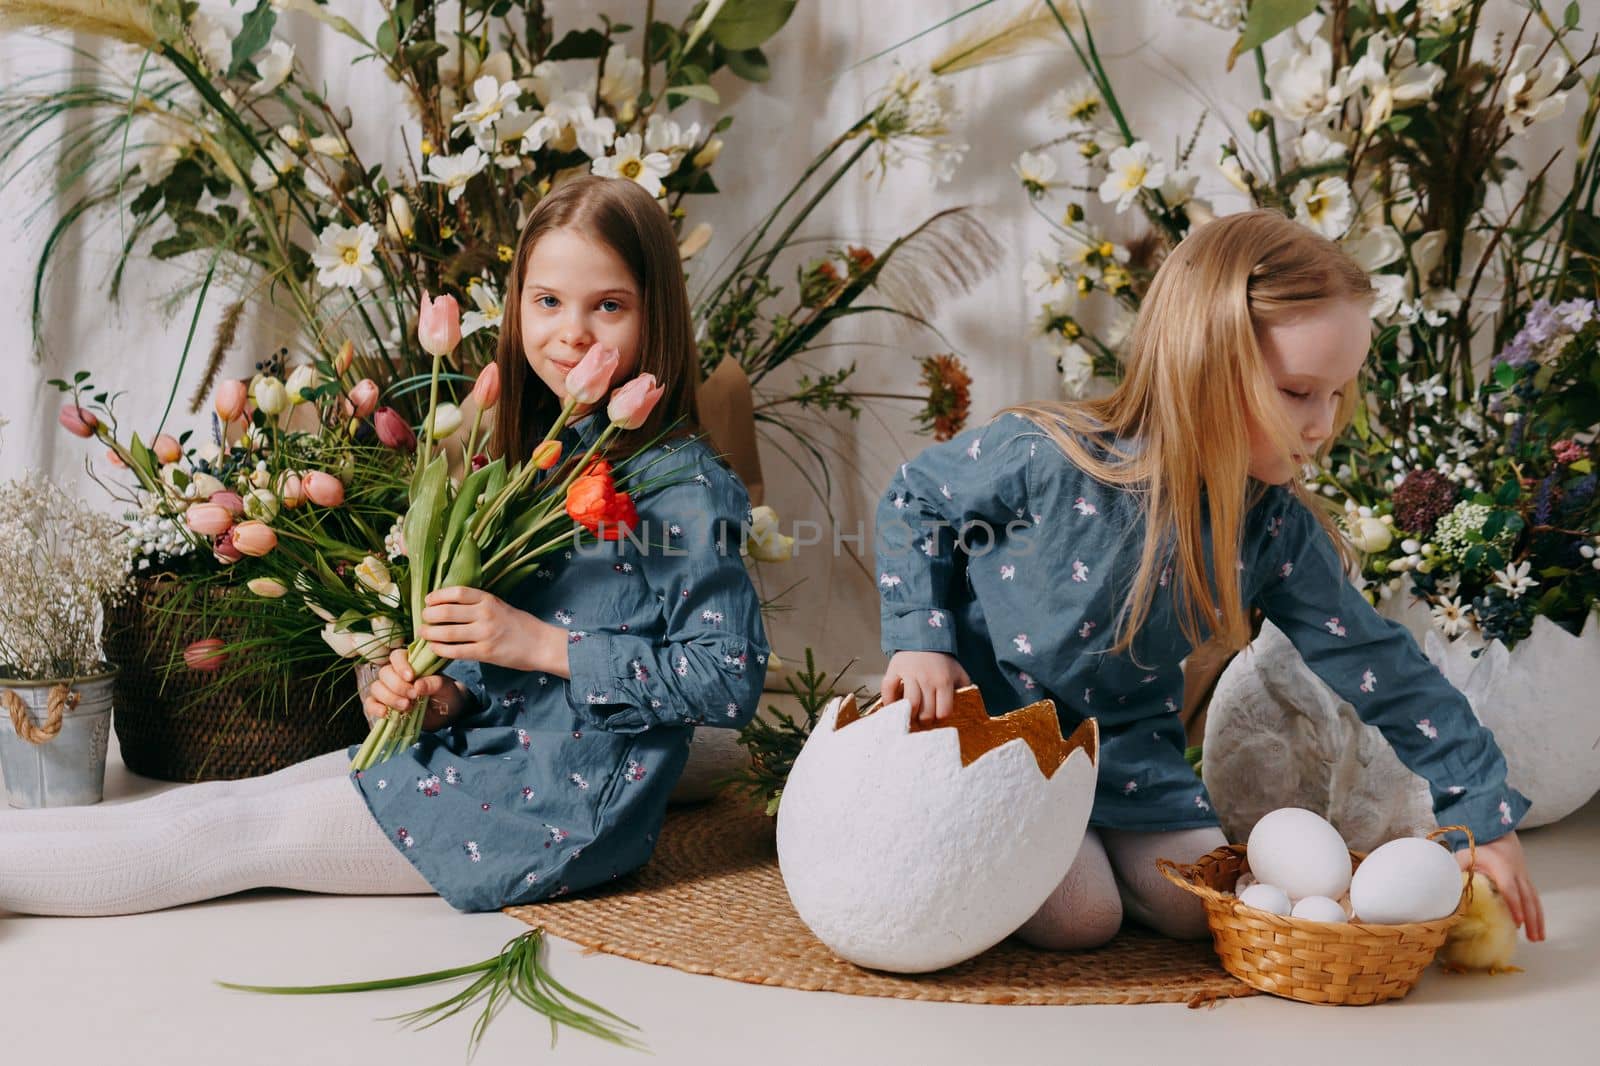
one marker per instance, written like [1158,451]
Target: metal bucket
[69,768]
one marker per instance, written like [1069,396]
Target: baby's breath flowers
[60,563]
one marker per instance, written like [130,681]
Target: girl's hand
[468,623]
[928,679]
[397,685]
[1503,862]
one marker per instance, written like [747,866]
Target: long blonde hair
[1176,430]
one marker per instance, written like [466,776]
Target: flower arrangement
[60,565]
[1398,128]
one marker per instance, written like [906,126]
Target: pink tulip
[291,493]
[590,380]
[322,489]
[632,404]
[225,551]
[209,519]
[393,431]
[439,325]
[230,400]
[167,448]
[116,460]
[254,538]
[205,654]
[77,421]
[364,397]
[486,390]
[231,500]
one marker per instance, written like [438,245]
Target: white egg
[1265,897]
[1407,880]
[1301,853]
[1320,909]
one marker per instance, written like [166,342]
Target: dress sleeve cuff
[919,629]
[1490,813]
[595,686]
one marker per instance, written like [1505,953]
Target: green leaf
[421,528]
[253,35]
[386,36]
[1266,20]
[1570,18]
[1398,123]
[745,24]
[1431,48]
[466,504]
[1582,466]
[1494,524]
[751,65]
[1505,375]
[464,565]
[1506,495]
[422,51]
[698,92]
[579,44]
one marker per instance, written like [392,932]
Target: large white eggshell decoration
[1300,852]
[910,846]
[1407,880]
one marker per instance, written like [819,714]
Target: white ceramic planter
[911,847]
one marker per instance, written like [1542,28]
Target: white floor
[138,989]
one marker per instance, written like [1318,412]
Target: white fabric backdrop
[1162,65]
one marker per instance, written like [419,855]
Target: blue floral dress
[1028,598]
[551,785]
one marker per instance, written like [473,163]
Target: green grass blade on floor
[517,973]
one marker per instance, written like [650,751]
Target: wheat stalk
[122,20]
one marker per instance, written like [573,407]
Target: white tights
[304,827]
[1115,874]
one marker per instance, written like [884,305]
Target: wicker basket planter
[169,727]
[1331,964]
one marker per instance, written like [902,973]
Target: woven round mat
[711,901]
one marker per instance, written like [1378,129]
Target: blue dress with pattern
[548,785]
[1028,598]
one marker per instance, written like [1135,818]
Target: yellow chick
[1486,936]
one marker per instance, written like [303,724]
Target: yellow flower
[506,253]
[427,146]
[446,232]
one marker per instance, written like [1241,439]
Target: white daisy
[1515,579]
[1325,207]
[454,171]
[1036,170]
[1133,167]
[1452,617]
[344,256]
[1076,105]
[632,162]
[667,137]
[491,101]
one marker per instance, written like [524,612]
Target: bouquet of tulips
[491,530]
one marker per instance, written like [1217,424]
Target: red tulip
[393,431]
[209,519]
[486,390]
[230,399]
[77,421]
[254,538]
[167,448]
[205,654]
[479,461]
[632,404]
[364,397]
[439,325]
[322,489]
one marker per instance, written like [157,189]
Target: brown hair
[621,215]
[1194,378]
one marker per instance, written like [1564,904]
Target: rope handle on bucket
[62,700]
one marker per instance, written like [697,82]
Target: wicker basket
[171,726]
[1333,964]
